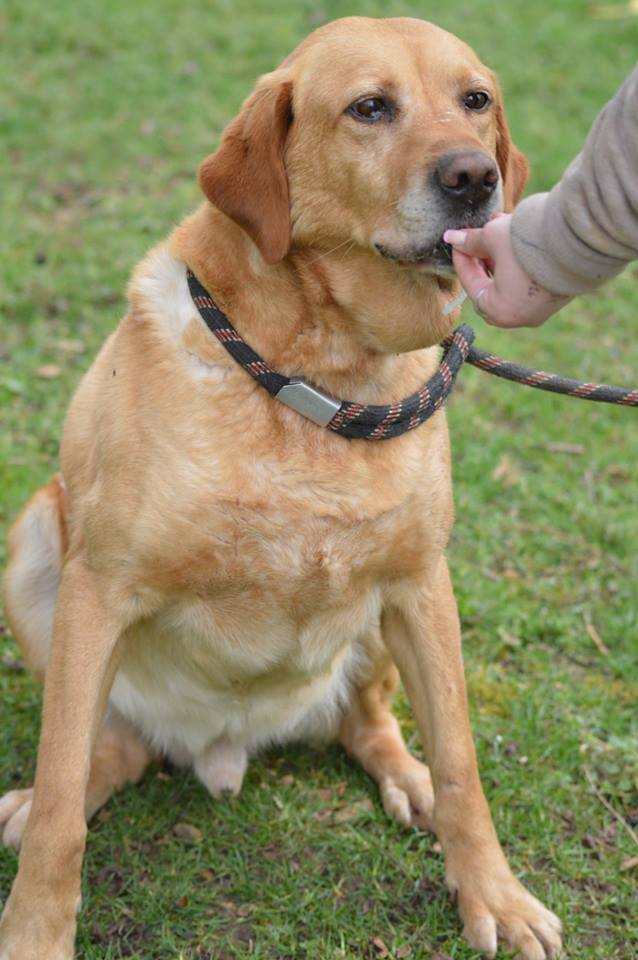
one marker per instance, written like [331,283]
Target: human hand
[502,293]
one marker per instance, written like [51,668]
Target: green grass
[105,112]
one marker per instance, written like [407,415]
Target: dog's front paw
[30,938]
[496,908]
[21,950]
[14,811]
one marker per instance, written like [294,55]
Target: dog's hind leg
[371,734]
[36,545]
[120,756]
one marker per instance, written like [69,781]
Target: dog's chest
[281,573]
[305,535]
[273,586]
[265,645]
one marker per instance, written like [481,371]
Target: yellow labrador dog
[212,571]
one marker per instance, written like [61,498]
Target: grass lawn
[105,113]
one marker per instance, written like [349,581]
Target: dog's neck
[343,318]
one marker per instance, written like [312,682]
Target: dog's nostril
[460,183]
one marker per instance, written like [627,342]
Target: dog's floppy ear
[512,163]
[246,177]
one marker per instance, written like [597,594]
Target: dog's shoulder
[158,291]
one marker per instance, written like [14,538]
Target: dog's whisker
[326,253]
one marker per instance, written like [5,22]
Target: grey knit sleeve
[586,230]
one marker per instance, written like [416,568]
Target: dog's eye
[371,109]
[477,100]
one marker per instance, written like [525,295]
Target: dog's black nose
[467,176]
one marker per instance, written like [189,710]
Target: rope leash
[383,421]
[540,380]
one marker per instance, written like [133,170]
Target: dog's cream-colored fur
[211,572]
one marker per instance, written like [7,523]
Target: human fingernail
[455,237]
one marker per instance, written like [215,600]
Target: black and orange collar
[356,421]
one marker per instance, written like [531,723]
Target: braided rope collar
[381,422]
[352,420]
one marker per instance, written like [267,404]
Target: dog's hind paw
[407,796]
[15,807]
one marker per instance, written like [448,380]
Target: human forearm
[586,230]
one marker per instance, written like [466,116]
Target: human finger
[470,242]
[471,271]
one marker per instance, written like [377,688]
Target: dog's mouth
[438,257]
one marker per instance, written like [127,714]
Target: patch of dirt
[130,937]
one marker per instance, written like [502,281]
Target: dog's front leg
[38,922]
[421,630]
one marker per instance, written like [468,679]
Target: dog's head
[379,133]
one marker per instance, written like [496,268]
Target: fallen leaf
[353,810]
[287,779]
[629,864]
[507,471]
[380,947]
[403,951]
[48,372]
[187,832]
[245,909]
[617,472]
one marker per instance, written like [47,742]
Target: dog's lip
[440,255]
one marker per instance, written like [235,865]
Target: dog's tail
[37,543]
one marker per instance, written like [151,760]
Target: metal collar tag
[307,400]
